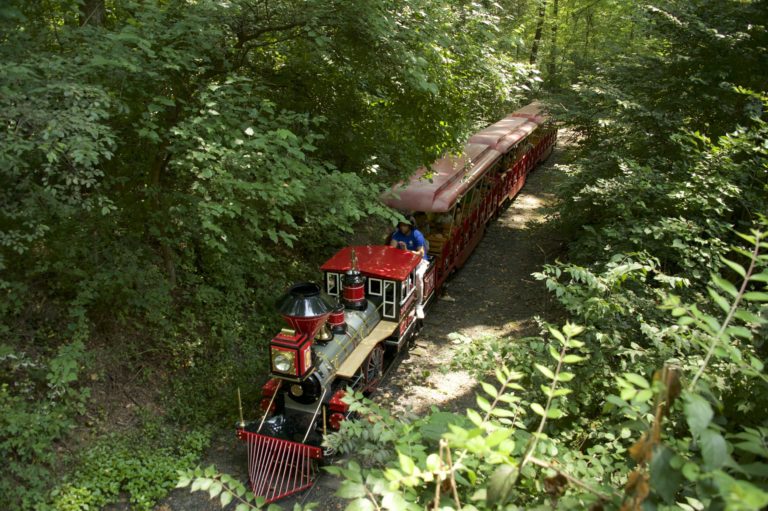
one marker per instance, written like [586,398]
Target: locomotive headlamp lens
[282,361]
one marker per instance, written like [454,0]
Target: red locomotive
[345,334]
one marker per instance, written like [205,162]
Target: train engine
[337,337]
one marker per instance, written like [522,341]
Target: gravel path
[493,294]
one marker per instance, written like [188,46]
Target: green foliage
[663,436]
[167,169]
[227,490]
[39,401]
[143,466]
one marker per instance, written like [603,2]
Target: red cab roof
[451,177]
[379,261]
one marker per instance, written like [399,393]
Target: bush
[40,399]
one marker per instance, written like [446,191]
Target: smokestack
[304,308]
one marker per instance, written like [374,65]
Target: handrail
[311,422]
[266,412]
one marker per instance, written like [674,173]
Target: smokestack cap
[304,300]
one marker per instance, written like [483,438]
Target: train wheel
[373,369]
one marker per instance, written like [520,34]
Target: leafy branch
[224,486]
[728,287]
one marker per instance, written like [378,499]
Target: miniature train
[344,334]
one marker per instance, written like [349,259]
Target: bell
[324,334]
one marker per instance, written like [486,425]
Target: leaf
[226,498]
[643,396]
[725,285]
[360,505]
[545,371]
[406,463]
[393,501]
[572,359]
[351,490]
[749,317]
[734,266]
[637,380]
[433,462]
[698,413]
[555,413]
[536,407]
[691,471]
[490,390]
[572,330]
[664,479]
[215,489]
[719,300]
[556,334]
[475,417]
[754,296]
[500,485]
[713,449]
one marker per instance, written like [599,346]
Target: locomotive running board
[278,468]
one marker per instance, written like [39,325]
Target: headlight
[283,361]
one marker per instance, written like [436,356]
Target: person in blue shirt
[408,237]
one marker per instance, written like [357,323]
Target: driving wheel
[373,369]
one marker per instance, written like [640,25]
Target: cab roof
[378,261]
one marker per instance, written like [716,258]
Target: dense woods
[167,166]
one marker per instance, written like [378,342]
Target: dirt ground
[494,294]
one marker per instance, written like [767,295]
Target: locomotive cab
[390,282]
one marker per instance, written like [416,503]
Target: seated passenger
[422,220]
[407,237]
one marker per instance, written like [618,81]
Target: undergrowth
[143,465]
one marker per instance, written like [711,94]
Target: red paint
[336,318]
[429,282]
[337,404]
[264,404]
[335,420]
[269,388]
[406,322]
[377,261]
[306,325]
[408,303]
[354,293]
[278,468]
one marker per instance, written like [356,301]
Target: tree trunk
[553,53]
[92,12]
[539,31]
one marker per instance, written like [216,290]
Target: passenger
[408,237]
[422,221]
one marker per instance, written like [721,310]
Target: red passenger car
[458,195]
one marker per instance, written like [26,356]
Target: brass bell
[324,334]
